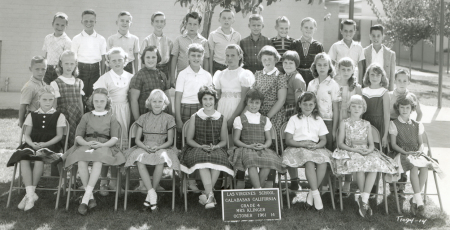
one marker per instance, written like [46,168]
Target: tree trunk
[207,17]
[410,57]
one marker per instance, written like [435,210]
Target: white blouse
[306,128]
[253,118]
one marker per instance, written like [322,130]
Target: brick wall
[24,24]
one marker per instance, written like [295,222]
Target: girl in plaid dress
[206,139]
[68,91]
[252,136]
[42,144]
[306,140]
[406,141]
[96,138]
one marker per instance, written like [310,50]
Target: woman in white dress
[232,84]
[117,82]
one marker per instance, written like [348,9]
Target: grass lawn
[43,215]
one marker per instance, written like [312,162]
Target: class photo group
[222,109]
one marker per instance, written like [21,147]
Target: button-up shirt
[251,49]
[180,48]
[89,48]
[128,42]
[306,128]
[218,41]
[55,46]
[340,50]
[326,92]
[189,83]
[29,94]
[378,57]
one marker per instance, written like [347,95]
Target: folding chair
[425,141]
[273,134]
[282,138]
[61,176]
[132,134]
[73,175]
[376,139]
[184,177]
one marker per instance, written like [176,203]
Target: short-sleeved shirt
[29,94]
[306,128]
[393,96]
[295,83]
[180,48]
[253,118]
[218,41]
[60,123]
[340,50]
[251,49]
[164,44]
[232,80]
[66,80]
[326,92]
[128,42]
[55,46]
[146,80]
[393,128]
[189,83]
[89,48]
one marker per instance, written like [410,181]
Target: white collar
[94,34]
[379,52]
[271,72]
[216,115]
[248,113]
[119,80]
[219,30]
[351,44]
[99,113]
[127,35]
[404,122]
[51,111]
[191,71]
[62,35]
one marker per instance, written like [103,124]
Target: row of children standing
[280,96]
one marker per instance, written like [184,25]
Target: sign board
[251,204]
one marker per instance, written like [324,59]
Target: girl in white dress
[117,82]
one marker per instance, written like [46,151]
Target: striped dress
[207,132]
[243,158]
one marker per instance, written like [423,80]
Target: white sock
[153,196]
[91,197]
[418,199]
[29,190]
[309,198]
[87,194]
[414,200]
[365,197]
[317,199]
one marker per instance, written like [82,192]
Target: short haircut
[407,99]
[253,94]
[308,19]
[359,100]
[324,56]
[307,96]
[156,14]
[157,94]
[151,49]
[37,59]
[239,51]
[62,16]
[269,50]
[282,19]
[375,67]
[117,50]
[377,27]
[226,11]
[403,71]
[195,47]
[103,91]
[348,62]
[207,90]
[348,22]
[292,56]
[59,69]
[88,12]
[124,13]
[194,15]
[255,17]
[45,89]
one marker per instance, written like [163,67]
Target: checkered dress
[244,158]
[206,132]
[68,105]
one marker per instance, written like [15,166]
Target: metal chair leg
[288,200]
[127,183]
[340,193]
[59,188]
[173,190]
[437,190]
[399,210]
[331,192]
[280,191]
[385,194]
[118,188]
[19,184]
[185,192]
[11,185]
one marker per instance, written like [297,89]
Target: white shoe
[202,199]
[21,205]
[296,199]
[211,202]
[30,202]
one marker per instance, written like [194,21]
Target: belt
[304,68]
[81,63]
[95,135]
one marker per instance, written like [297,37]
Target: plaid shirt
[145,81]
[251,49]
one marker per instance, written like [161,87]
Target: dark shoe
[319,211]
[412,206]
[308,206]
[154,208]
[369,210]
[421,210]
[362,207]
[82,209]
[146,207]
[92,204]
[294,185]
